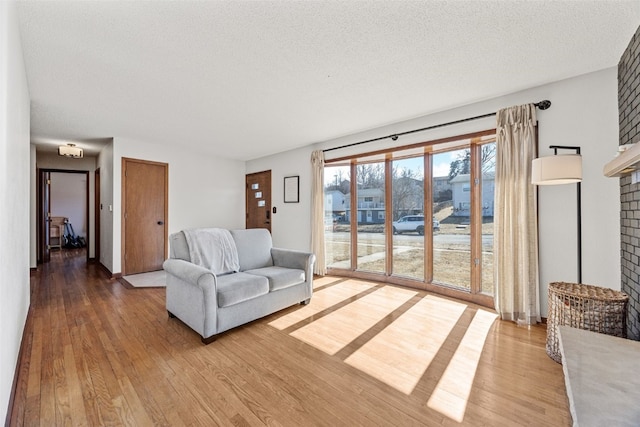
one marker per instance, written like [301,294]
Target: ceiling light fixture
[70,150]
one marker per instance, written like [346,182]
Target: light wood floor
[361,353]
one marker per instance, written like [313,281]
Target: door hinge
[476,261]
[48,182]
[476,181]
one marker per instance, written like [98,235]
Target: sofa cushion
[235,288]
[178,246]
[279,277]
[254,248]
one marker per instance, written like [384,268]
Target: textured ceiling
[248,79]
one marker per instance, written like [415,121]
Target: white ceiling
[245,79]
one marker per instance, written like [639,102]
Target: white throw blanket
[213,248]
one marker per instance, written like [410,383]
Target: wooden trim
[21,372]
[428,217]
[475,182]
[388,215]
[97,211]
[451,292]
[413,146]
[474,143]
[125,283]
[41,229]
[353,221]
[108,273]
[88,238]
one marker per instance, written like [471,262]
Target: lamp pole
[579,208]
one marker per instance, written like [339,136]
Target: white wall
[14,199]
[584,112]
[204,191]
[46,160]
[69,199]
[33,210]
[105,164]
[291,225]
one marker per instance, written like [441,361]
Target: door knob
[160,222]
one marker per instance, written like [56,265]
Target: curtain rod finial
[543,105]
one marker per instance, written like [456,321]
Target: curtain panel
[317,212]
[516,227]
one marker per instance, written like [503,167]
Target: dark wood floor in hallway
[361,353]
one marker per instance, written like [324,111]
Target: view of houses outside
[451,195]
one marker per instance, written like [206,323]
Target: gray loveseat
[219,279]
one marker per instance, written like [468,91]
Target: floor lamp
[562,169]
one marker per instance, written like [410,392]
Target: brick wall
[629,110]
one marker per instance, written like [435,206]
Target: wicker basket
[584,307]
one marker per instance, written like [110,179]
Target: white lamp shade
[556,170]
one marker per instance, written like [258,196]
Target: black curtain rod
[543,105]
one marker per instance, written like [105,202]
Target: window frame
[474,141]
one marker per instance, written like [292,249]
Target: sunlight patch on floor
[322,300]
[333,332]
[402,352]
[451,395]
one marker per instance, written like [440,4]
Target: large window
[370,206]
[408,226]
[420,216]
[337,216]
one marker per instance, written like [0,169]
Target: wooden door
[258,200]
[144,215]
[45,215]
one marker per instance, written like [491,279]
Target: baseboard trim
[22,367]
[109,274]
[125,283]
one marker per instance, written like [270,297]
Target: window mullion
[476,216]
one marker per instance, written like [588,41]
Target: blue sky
[441,165]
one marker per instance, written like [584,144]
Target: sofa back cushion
[178,248]
[254,248]
[212,248]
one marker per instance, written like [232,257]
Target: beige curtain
[317,212]
[516,227]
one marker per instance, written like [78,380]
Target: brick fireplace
[629,110]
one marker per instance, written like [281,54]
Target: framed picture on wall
[292,189]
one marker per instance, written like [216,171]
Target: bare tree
[370,175]
[408,192]
[462,164]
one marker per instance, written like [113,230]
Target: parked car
[413,224]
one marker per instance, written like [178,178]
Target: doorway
[144,215]
[62,194]
[258,200]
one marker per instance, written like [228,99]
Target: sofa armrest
[191,296]
[191,273]
[294,259]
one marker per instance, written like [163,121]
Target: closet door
[144,215]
